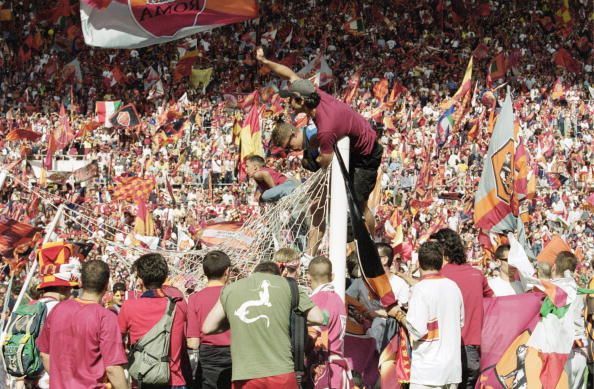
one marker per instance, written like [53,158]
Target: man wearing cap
[334,120]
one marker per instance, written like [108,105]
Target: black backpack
[298,328]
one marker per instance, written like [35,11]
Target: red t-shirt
[138,316]
[199,305]
[474,286]
[335,120]
[82,339]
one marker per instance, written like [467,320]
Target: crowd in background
[422,50]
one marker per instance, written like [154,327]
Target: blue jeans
[280,191]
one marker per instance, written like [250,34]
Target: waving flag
[144,224]
[125,117]
[317,71]
[139,23]
[463,90]
[104,110]
[445,126]
[23,135]
[133,188]
[531,349]
[250,139]
[503,180]
[493,199]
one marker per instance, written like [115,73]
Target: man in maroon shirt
[80,343]
[138,316]
[272,185]
[474,286]
[334,120]
[214,364]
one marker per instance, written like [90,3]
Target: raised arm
[279,69]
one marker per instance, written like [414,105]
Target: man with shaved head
[327,366]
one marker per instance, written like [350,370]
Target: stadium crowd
[187,136]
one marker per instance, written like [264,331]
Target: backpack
[149,357]
[298,328]
[21,356]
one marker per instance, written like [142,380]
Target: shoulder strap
[298,332]
[294,293]
[165,322]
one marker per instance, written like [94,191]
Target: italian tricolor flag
[104,110]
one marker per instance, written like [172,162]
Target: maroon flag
[564,59]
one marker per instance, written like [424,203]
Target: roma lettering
[164,10]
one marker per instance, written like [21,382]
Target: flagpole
[337,235]
[258,37]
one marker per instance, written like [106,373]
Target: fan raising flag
[139,23]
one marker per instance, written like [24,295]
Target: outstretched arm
[279,69]
[216,320]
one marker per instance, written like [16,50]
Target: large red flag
[564,59]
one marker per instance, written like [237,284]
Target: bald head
[320,270]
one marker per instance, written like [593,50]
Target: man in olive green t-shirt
[257,309]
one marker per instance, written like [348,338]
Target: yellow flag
[200,77]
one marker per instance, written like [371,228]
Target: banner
[130,24]
[228,232]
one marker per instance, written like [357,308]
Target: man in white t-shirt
[504,284]
[434,320]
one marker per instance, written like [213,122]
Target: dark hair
[320,267]
[118,287]
[451,244]
[267,267]
[95,276]
[430,256]
[152,270]
[501,251]
[312,100]
[385,250]
[281,133]
[215,264]
[255,159]
[565,260]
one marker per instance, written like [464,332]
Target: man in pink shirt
[138,316]
[214,364]
[80,343]
[327,366]
[474,286]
